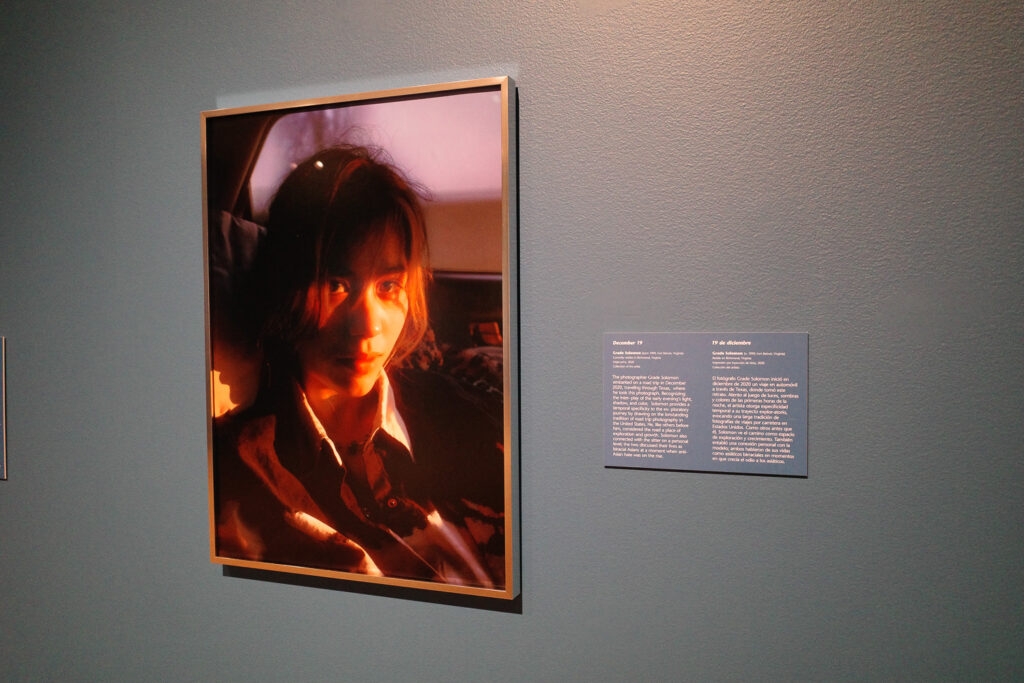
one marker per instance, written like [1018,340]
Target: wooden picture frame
[362,400]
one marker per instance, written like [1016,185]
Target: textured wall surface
[850,170]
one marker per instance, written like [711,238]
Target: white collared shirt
[387,419]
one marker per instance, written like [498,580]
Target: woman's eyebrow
[386,269]
[339,272]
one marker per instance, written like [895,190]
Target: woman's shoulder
[427,397]
[232,430]
[415,386]
[452,431]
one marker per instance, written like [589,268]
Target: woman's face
[363,307]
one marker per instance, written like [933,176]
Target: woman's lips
[360,363]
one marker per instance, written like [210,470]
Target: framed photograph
[360,256]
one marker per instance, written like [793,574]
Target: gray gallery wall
[853,170]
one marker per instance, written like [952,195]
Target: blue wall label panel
[711,402]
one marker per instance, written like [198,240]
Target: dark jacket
[281,497]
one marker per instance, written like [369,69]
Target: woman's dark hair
[333,202]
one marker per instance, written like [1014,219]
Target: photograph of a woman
[357,421]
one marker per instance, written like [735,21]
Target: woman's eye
[389,288]
[337,286]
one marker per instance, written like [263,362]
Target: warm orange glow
[321,531]
[246,539]
[222,402]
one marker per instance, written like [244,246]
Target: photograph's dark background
[852,172]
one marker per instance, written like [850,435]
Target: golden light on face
[364,304]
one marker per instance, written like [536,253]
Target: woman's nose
[364,317]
